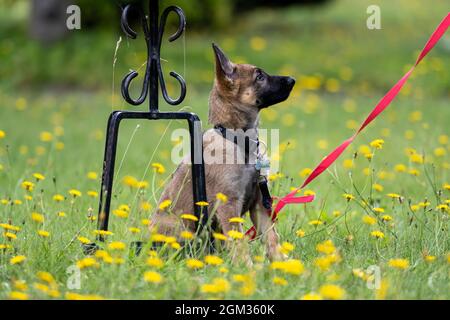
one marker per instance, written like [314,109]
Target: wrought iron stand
[152,79]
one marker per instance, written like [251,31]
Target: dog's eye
[260,77]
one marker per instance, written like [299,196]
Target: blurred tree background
[319,37]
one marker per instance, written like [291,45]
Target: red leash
[382,104]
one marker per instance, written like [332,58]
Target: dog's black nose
[290,81]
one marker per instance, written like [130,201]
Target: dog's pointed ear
[224,67]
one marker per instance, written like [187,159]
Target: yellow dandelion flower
[399,263]
[440,152]
[84,240]
[141,185]
[120,213]
[286,247]
[331,291]
[146,206]
[394,195]
[220,236]
[175,245]
[155,262]
[348,164]
[134,230]
[259,259]
[77,296]
[348,196]
[258,43]
[400,168]
[279,281]
[377,143]
[16,295]
[116,245]
[218,285]
[213,260]
[377,187]
[202,203]
[429,258]
[145,222]
[10,235]
[188,216]
[443,139]
[311,296]
[2,134]
[300,233]
[326,247]
[221,197]
[92,175]
[158,167]
[187,235]
[416,158]
[309,193]
[194,264]
[236,220]
[101,254]
[59,146]
[103,232]
[386,217]
[38,176]
[87,262]
[291,266]
[424,204]
[92,194]
[8,226]
[223,270]
[378,210]
[17,259]
[170,240]
[236,235]
[45,276]
[58,198]
[46,136]
[43,233]
[75,193]
[37,217]
[305,172]
[165,204]
[27,185]
[153,277]
[377,234]
[315,222]
[20,285]
[130,181]
[157,237]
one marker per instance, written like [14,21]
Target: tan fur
[232,105]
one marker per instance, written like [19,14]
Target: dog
[239,93]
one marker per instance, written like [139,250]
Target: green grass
[324,43]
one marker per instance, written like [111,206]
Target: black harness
[262,180]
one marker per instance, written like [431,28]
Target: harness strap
[262,181]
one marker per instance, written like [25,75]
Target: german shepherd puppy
[239,93]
